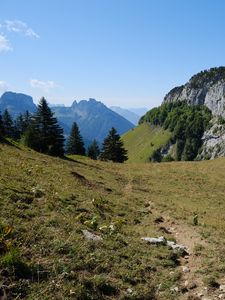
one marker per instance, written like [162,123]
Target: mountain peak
[16,103]
[205,88]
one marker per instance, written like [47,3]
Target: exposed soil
[192,286]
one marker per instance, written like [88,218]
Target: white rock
[222,287]
[90,236]
[175,246]
[186,283]
[175,289]
[185,269]
[160,240]
[72,292]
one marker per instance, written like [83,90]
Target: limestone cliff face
[205,88]
[213,141]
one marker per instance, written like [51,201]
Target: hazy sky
[122,52]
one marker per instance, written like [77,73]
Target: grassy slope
[48,204]
[143,140]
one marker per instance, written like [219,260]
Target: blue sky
[128,53]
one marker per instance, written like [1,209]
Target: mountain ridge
[204,88]
[93,117]
[126,113]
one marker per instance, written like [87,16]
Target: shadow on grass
[8,142]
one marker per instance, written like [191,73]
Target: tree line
[186,122]
[42,132]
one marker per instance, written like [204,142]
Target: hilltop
[142,142]
[50,204]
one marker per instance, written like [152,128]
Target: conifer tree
[113,148]
[18,124]
[44,133]
[9,129]
[93,150]
[22,123]
[1,127]
[75,144]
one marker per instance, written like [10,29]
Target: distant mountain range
[93,117]
[131,114]
[140,111]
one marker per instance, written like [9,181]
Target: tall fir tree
[44,133]
[113,148]
[9,129]
[1,127]
[22,123]
[75,144]
[93,150]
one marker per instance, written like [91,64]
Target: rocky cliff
[205,88]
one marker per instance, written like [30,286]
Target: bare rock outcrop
[205,88]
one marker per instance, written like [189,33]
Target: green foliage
[113,148]
[75,144]
[9,130]
[93,150]
[22,124]
[1,127]
[14,264]
[212,75]
[187,123]
[221,120]
[167,158]
[44,134]
[156,156]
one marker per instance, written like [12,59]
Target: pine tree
[75,144]
[9,129]
[113,148]
[22,123]
[93,150]
[44,133]
[1,127]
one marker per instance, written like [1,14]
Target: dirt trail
[190,264]
[192,284]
